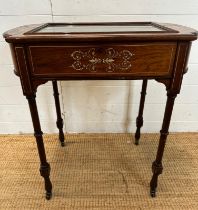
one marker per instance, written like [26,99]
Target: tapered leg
[157,164]
[59,121]
[139,120]
[44,167]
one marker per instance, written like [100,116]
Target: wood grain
[146,60]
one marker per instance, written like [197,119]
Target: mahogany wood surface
[139,119]
[39,57]
[150,59]
[59,121]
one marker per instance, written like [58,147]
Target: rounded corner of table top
[100,31]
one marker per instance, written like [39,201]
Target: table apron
[105,61]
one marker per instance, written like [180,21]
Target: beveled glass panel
[127,27]
[99,28]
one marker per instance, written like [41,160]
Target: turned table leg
[157,167]
[139,120]
[45,166]
[59,121]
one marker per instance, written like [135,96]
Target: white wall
[97,106]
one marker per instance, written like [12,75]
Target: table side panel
[141,59]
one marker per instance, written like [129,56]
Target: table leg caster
[62,144]
[136,141]
[153,193]
[157,170]
[48,195]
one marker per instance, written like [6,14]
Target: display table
[100,51]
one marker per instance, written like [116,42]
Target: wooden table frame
[31,54]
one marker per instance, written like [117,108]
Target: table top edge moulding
[31,33]
[102,51]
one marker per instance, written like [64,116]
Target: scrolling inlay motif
[112,60]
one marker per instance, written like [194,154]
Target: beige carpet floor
[99,171]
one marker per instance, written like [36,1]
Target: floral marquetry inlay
[111,60]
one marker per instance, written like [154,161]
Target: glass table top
[51,28]
[99,28]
